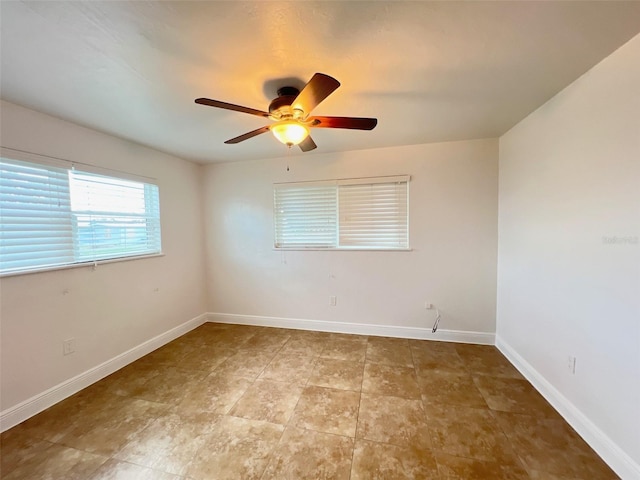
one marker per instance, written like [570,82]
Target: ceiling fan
[291,110]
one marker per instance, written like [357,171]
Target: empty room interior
[320,240]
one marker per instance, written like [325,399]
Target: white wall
[116,307]
[453,233]
[569,183]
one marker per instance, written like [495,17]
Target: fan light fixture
[290,132]
[291,110]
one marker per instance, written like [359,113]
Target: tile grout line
[355,435]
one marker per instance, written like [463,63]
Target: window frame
[336,183]
[50,163]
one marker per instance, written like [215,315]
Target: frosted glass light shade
[290,132]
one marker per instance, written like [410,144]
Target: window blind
[52,216]
[373,215]
[113,217]
[36,229]
[305,216]
[364,213]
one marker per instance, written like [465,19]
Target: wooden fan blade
[319,87]
[307,144]
[231,106]
[354,123]
[248,135]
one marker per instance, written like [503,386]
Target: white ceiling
[429,71]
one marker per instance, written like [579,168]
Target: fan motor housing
[280,106]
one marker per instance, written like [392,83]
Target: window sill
[341,249]
[79,265]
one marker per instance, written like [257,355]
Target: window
[367,213]
[57,215]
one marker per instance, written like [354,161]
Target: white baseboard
[355,328]
[34,405]
[608,450]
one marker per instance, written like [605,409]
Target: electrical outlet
[68,346]
[571,364]
[333,300]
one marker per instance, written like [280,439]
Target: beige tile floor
[237,402]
